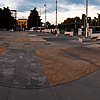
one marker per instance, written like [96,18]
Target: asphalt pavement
[24,75]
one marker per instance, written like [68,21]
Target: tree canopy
[5,18]
[71,20]
[34,19]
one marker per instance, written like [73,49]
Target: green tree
[5,18]
[48,24]
[52,26]
[34,19]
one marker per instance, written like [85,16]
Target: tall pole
[56,20]
[98,19]
[45,14]
[86,17]
[75,26]
[56,14]
[40,17]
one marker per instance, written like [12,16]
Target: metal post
[37,22]
[75,26]
[40,20]
[45,14]
[84,24]
[56,18]
[84,21]
[56,14]
[40,17]
[98,18]
[86,17]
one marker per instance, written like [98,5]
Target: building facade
[21,24]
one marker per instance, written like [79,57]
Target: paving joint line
[8,94]
[77,57]
[55,95]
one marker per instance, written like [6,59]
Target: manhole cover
[30,33]
[42,35]
[5,44]
[2,38]
[47,43]
[27,43]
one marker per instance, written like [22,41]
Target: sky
[66,8]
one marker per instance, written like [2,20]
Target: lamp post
[56,19]
[86,17]
[40,19]
[75,27]
[98,19]
[56,14]
[45,14]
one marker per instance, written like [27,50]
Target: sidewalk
[87,88]
[39,66]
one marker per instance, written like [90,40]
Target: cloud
[66,8]
[94,2]
[76,1]
[73,11]
[1,5]
[23,15]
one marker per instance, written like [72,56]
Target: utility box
[79,31]
[90,32]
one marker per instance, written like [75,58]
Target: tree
[52,26]
[34,19]
[48,24]
[5,18]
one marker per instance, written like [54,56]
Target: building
[13,19]
[21,24]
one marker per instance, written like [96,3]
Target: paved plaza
[41,66]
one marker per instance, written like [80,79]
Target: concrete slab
[67,64]
[82,39]
[32,94]
[37,39]
[4,93]
[21,68]
[87,88]
[94,46]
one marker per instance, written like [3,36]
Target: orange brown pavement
[2,50]
[61,67]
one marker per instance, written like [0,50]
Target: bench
[68,33]
[95,36]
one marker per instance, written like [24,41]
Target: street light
[86,17]
[56,14]
[98,19]
[45,13]
[56,19]
[40,19]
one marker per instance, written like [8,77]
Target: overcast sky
[66,8]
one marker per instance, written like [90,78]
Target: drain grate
[2,38]
[47,43]
[27,43]
[5,44]
[30,33]
[42,35]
